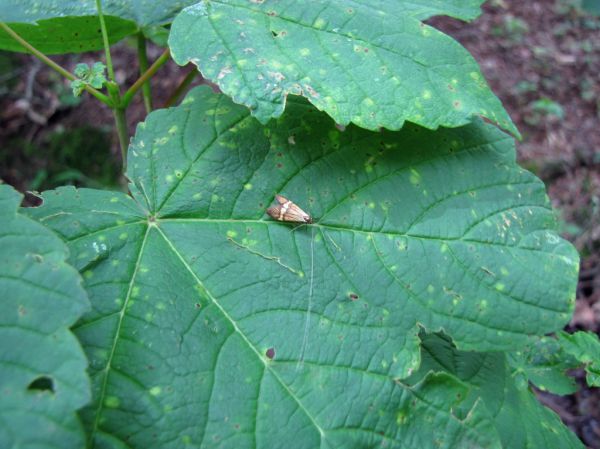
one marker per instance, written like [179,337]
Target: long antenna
[310,295]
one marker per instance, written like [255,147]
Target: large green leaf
[214,324]
[519,418]
[67,26]
[42,367]
[375,65]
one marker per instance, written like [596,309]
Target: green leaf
[214,324]
[424,9]
[372,65]
[142,12]
[544,363]
[78,87]
[42,366]
[64,34]
[70,26]
[591,6]
[585,348]
[518,417]
[94,77]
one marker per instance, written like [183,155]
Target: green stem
[120,120]
[128,96]
[109,65]
[143,59]
[42,57]
[182,87]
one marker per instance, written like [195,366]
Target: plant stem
[120,120]
[182,87]
[143,59]
[128,96]
[49,62]
[109,65]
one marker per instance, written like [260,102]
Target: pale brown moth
[287,210]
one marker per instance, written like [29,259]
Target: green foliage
[591,6]
[71,26]
[544,110]
[518,418]
[213,324]
[42,367]
[94,76]
[409,233]
[62,34]
[401,70]
[585,348]
[547,361]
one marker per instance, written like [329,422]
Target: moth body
[287,210]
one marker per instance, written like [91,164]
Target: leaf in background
[585,348]
[42,366]
[521,421]
[65,34]
[94,77]
[203,305]
[591,6]
[372,65]
[544,363]
[69,26]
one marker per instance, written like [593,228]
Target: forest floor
[541,57]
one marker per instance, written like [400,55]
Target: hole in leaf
[274,33]
[270,353]
[353,296]
[42,383]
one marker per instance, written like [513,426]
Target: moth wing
[294,213]
[275,212]
[281,199]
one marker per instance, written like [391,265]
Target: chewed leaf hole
[270,353]
[42,383]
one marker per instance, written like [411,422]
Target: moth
[287,210]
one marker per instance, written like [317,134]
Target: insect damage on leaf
[287,210]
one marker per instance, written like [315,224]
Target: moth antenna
[309,305]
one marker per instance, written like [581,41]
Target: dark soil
[542,58]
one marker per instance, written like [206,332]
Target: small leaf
[94,77]
[78,87]
[43,380]
[544,363]
[585,348]
[82,70]
[97,77]
[224,327]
